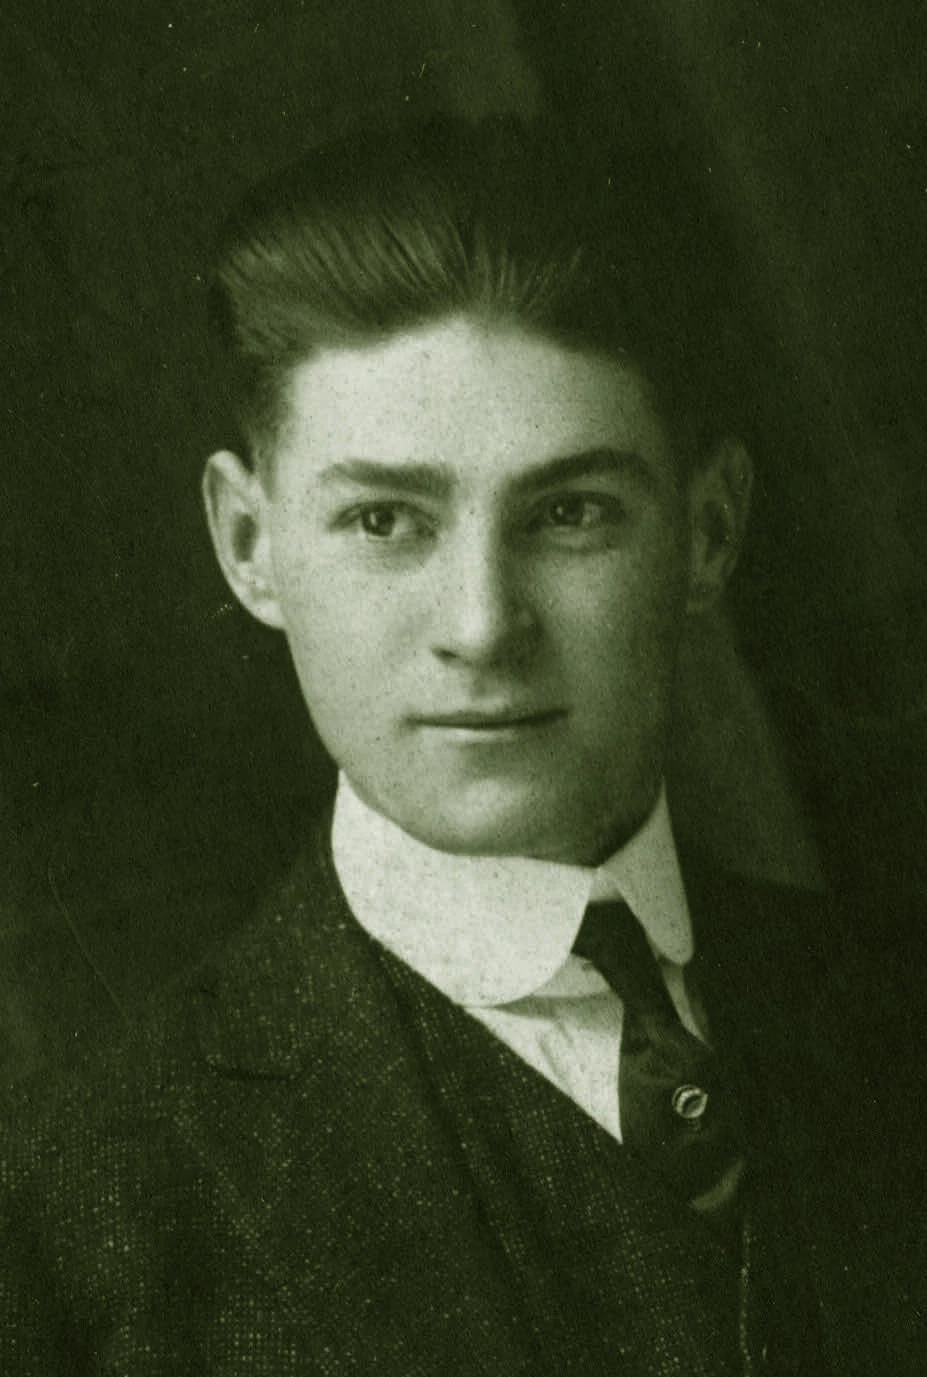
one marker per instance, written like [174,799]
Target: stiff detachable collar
[488,930]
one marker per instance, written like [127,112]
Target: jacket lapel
[380,1222]
[771,966]
[343,1156]
[311,1117]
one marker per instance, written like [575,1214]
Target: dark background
[154,766]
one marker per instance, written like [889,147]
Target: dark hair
[384,231]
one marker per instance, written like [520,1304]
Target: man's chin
[501,830]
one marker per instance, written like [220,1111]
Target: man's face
[480,555]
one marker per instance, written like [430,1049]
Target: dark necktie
[674,1107]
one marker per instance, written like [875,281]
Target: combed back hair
[386,231]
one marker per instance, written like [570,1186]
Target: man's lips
[470,719]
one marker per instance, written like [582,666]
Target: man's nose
[483,610]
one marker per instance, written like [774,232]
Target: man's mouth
[491,720]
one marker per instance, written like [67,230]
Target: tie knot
[612,939]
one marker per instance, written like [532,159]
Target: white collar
[489,930]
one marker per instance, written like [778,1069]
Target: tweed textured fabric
[304,1168]
[616,1274]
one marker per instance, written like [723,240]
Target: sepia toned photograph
[463,664]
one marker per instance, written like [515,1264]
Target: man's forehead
[464,393]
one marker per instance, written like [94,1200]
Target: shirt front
[495,935]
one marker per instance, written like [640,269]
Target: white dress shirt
[495,934]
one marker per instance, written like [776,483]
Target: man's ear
[719,505]
[238,516]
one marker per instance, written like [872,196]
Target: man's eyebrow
[590,463]
[435,480]
[430,480]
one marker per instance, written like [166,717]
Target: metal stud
[690,1102]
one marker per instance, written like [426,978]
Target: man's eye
[388,521]
[378,521]
[575,512]
[579,512]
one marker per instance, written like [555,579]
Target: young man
[434,1112]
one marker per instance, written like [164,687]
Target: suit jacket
[276,1177]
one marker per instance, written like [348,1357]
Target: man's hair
[385,231]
